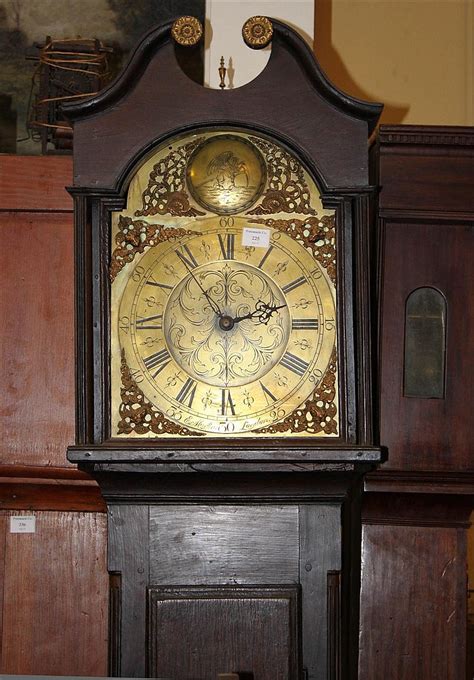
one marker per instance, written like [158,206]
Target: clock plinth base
[224,538]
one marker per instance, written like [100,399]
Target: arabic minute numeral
[174,413]
[329,324]
[227,427]
[137,375]
[226,222]
[124,324]
[138,273]
[316,274]
[316,375]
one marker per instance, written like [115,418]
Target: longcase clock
[224,383]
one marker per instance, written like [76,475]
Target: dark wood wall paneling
[54,582]
[427,213]
[417,506]
[412,617]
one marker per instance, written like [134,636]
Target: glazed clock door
[223,303]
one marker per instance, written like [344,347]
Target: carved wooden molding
[417,509]
[426,135]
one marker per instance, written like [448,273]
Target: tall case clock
[224,367]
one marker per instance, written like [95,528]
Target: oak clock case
[224,387]
[223,295]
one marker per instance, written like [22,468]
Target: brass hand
[262,312]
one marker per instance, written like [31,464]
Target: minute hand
[262,312]
[212,303]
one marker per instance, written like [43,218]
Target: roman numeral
[267,394]
[159,360]
[293,363]
[262,261]
[227,247]
[187,257]
[187,392]
[152,282]
[294,284]
[144,323]
[227,403]
[305,324]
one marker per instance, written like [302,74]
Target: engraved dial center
[213,325]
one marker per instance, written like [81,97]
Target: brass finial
[187,31]
[257,32]
[222,73]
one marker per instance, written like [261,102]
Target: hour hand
[262,312]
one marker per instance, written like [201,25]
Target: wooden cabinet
[417,506]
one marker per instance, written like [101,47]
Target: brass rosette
[187,31]
[257,32]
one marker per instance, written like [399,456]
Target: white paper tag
[22,524]
[259,238]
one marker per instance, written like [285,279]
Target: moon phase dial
[226,174]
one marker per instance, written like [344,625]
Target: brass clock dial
[225,324]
